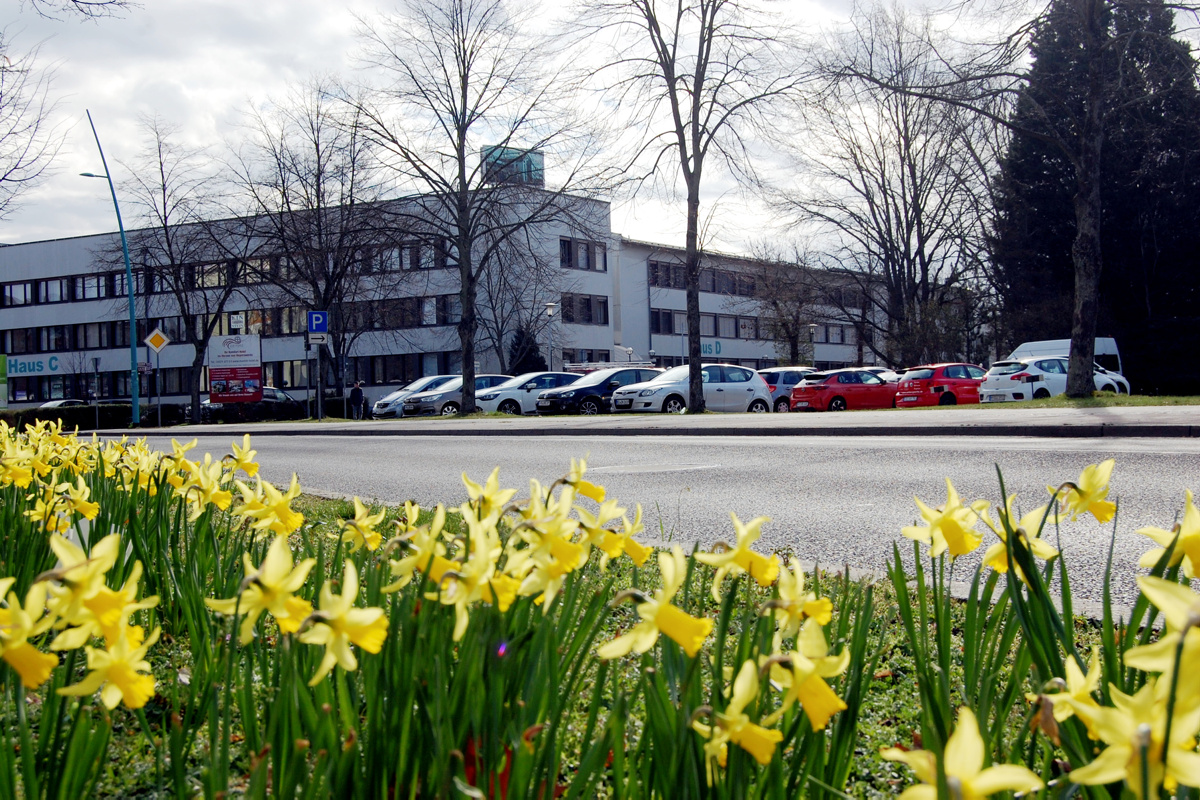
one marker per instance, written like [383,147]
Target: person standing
[356,401]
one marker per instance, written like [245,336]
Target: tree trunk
[467,325]
[695,384]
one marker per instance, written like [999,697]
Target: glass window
[566,254]
[849,377]
[708,324]
[54,290]
[871,379]
[975,372]
[727,327]
[735,375]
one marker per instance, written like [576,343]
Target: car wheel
[837,404]
[590,407]
[1108,387]
[783,405]
[509,407]
[450,409]
[1041,394]
[759,407]
[674,405]
[948,399]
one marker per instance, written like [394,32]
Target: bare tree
[897,184]
[466,112]
[310,185]
[1109,44]
[194,264]
[84,8]
[787,290]
[28,141]
[699,76]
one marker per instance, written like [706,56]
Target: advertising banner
[234,369]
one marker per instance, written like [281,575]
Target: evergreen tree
[1150,195]
[524,354]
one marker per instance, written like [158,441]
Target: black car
[275,404]
[592,393]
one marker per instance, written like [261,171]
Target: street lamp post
[550,331]
[134,389]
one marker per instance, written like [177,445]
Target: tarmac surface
[1089,423]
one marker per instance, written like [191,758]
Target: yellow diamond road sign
[157,340]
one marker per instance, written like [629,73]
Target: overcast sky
[199,64]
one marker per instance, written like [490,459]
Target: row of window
[581,254]
[724,326]
[670,275]
[62,290]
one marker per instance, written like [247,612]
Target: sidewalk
[1152,421]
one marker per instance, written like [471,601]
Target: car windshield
[918,374]
[448,386]
[672,375]
[517,382]
[1006,367]
[595,378]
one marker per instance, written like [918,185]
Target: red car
[939,385]
[842,389]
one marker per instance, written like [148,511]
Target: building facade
[592,297]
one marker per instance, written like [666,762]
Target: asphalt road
[833,500]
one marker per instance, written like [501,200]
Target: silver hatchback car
[447,398]
[781,381]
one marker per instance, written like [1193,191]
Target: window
[55,338]
[212,276]
[449,310]
[91,335]
[54,290]
[747,327]
[660,320]
[23,340]
[666,275]
[119,289]
[581,254]
[835,334]
[444,256]
[727,327]
[708,324]
[91,287]
[726,282]
[18,294]
[585,309]
[708,280]
[429,314]
[746,285]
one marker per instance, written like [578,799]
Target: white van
[1106,353]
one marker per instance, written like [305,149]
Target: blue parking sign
[318,322]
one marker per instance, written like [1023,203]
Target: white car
[519,396]
[1039,377]
[727,387]
[392,405]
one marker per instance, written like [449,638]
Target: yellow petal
[758,741]
[31,664]
[688,632]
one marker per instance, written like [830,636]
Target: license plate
[992,398]
[409,407]
[543,403]
[800,404]
[908,399]
[624,403]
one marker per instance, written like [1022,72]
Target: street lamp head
[92,175]
[550,309]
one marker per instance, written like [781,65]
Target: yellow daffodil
[242,458]
[1087,495]
[361,530]
[339,624]
[659,616]
[77,499]
[794,605]
[613,543]
[1180,606]
[740,558]
[424,551]
[1187,542]
[19,623]
[270,587]
[1134,730]
[472,579]
[79,576]
[1079,688]
[273,511]
[949,527]
[489,497]
[963,764]
[586,488]
[105,613]
[121,673]
[802,674]
[1027,527]
[733,725]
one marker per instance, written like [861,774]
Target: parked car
[64,403]
[447,398]
[1035,378]
[519,395]
[841,389]
[727,387]
[392,404]
[592,393]
[781,381]
[275,404]
[939,385]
